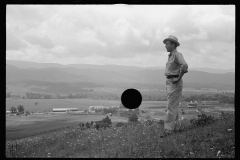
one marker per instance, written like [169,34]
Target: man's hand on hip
[175,80]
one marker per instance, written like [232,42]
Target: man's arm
[183,66]
[181,74]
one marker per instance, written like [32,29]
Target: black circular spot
[131,98]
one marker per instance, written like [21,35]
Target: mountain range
[104,74]
[26,64]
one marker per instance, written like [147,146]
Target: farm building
[64,109]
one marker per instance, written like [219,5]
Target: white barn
[64,109]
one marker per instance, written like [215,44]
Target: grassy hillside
[36,124]
[206,137]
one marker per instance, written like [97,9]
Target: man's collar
[170,54]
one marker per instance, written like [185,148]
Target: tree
[20,109]
[133,118]
[13,109]
[107,120]
[27,113]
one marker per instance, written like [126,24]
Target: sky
[120,34]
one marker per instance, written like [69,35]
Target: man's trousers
[174,95]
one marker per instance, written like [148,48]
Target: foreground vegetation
[205,137]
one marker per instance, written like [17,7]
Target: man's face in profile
[169,46]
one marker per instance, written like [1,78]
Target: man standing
[176,67]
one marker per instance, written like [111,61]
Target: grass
[20,127]
[207,140]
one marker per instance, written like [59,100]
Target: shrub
[133,118]
[161,122]
[87,125]
[225,116]
[26,113]
[149,122]
[119,124]
[202,120]
[97,126]
[104,125]
[107,120]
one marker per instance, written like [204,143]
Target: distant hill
[211,70]
[45,74]
[26,64]
[103,75]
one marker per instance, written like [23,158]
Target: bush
[225,116]
[133,118]
[149,122]
[104,125]
[119,124]
[202,120]
[107,120]
[97,126]
[161,122]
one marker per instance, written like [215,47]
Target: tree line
[19,110]
[221,97]
[30,95]
[105,96]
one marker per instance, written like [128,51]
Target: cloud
[13,42]
[42,41]
[120,34]
[190,23]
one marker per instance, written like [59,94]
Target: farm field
[81,104]
[49,104]
[19,127]
[33,124]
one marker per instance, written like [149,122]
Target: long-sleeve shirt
[175,64]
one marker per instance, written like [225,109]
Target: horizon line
[116,65]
